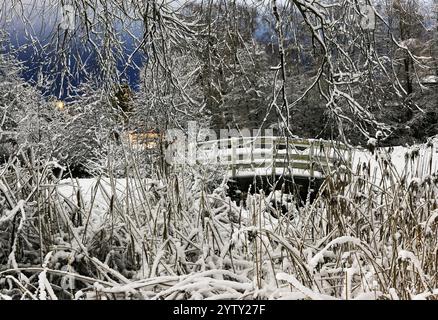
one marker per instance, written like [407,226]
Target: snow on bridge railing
[271,155]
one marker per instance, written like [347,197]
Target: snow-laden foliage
[142,229]
[370,234]
[227,59]
[82,136]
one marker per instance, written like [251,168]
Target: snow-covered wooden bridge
[274,156]
[263,156]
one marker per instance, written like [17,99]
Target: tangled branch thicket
[202,58]
[365,236]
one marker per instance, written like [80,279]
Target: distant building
[145,139]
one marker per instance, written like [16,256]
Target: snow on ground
[417,160]
[95,193]
[87,187]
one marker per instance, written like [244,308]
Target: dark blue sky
[39,62]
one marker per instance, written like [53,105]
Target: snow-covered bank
[415,161]
[92,190]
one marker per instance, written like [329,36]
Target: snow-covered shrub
[87,132]
[25,115]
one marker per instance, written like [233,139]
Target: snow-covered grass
[371,233]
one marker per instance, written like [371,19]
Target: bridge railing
[269,155]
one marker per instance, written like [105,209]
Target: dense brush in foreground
[366,236]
